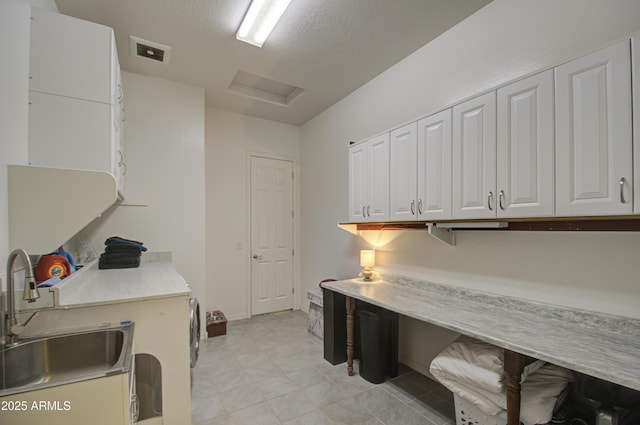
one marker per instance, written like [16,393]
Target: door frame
[296,227]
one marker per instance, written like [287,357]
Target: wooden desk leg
[351,307]
[513,368]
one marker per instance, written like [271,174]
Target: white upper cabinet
[70,57]
[593,134]
[76,104]
[474,158]
[369,180]
[358,182]
[434,167]
[525,150]
[635,53]
[402,191]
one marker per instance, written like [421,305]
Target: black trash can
[378,343]
[335,326]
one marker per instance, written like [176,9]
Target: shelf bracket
[444,235]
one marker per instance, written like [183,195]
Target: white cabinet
[434,167]
[420,180]
[102,401]
[403,171]
[525,148]
[76,115]
[635,54]
[474,158]
[369,180]
[593,134]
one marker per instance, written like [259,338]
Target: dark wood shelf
[627,223]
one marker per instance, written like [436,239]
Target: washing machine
[194,330]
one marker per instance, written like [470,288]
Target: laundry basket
[468,414]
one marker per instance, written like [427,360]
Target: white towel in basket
[473,370]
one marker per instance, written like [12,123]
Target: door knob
[257,257]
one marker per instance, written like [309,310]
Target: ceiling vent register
[149,50]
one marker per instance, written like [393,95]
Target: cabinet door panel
[593,134]
[378,179]
[526,184]
[65,133]
[434,167]
[357,182]
[403,173]
[70,57]
[474,158]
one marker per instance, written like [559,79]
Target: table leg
[351,307]
[513,368]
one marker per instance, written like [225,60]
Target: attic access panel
[264,89]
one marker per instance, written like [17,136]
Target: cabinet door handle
[501,200]
[413,207]
[364,215]
[622,181]
[368,211]
[490,201]
[419,206]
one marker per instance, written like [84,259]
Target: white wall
[164,154]
[503,41]
[14,103]
[230,137]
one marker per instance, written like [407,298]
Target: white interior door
[271,235]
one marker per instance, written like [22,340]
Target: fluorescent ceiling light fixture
[261,18]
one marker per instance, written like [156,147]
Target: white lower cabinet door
[526,149]
[593,134]
[434,167]
[474,158]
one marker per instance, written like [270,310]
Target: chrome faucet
[30,292]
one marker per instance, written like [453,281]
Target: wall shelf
[444,230]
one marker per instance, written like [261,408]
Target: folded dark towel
[107,262]
[123,249]
[122,241]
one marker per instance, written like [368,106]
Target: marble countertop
[600,345]
[156,277]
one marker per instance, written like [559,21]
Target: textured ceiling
[329,48]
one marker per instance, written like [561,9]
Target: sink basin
[62,359]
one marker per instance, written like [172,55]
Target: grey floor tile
[312,418]
[347,412]
[276,386]
[404,415]
[240,397]
[229,380]
[404,388]
[260,414]
[270,370]
[291,405]
[434,407]
[203,409]
[377,401]
[325,393]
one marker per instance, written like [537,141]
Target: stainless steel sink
[62,359]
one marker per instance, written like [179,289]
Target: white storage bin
[468,414]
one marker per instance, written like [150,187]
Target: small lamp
[367,260]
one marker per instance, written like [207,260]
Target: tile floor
[270,370]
